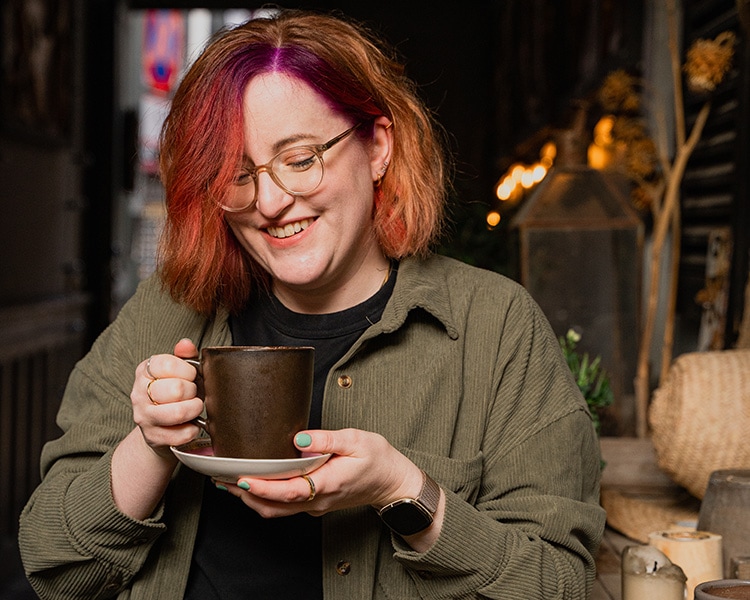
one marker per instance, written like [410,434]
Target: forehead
[279,107]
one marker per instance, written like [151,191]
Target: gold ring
[148,368]
[148,392]
[311,483]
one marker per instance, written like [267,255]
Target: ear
[382,147]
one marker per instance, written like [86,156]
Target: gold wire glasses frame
[298,170]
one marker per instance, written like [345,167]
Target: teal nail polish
[221,487]
[244,485]
[303,440]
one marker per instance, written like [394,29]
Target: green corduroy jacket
[462,374]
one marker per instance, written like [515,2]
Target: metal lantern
[581,247]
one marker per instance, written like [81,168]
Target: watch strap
[429,497]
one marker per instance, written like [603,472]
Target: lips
[289,229]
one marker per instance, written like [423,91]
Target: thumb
[347,442]
[185,348]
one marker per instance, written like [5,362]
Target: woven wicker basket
[700,417]
[636,514]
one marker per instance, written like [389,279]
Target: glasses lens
[241,193]
[299,170]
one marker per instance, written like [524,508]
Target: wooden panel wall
[40,344]
[715,188]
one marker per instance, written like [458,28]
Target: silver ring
[311,483]
[148,368]
[148,392]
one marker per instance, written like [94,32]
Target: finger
[185,348]
[164,366]
[167,391]
[296,490]
[345,442]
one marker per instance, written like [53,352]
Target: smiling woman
[358,88]
[461,458]
[336,261]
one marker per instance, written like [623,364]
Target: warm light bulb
[516,173]
[527,178]
[504,190]
[548,151]
[493,218]
[603,131]
[539,172]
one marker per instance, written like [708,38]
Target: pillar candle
[698,553]
[648,574]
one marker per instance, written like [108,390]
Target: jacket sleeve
[533,525]
[74,542]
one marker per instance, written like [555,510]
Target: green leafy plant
[592,379]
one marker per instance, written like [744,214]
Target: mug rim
[705,586]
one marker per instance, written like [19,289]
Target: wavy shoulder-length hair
[201,262]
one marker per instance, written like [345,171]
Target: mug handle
[199,421]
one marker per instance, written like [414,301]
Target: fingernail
[221,487]
[244,485]
[303,440]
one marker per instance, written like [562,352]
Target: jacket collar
[423,284]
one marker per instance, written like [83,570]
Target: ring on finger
[148,392]
[311,483]
[148,369]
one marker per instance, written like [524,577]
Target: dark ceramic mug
[738,589]
[257,398]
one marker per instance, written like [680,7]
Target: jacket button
[343,567]
[345,381]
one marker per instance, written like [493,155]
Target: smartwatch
[408,516]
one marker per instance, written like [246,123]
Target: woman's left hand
[364,469]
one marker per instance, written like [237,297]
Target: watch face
[406,517]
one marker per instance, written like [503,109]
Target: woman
[305,185]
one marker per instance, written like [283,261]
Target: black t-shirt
[237,553]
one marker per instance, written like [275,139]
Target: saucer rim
[203,442]
[230,469]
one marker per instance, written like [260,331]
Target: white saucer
[198,455]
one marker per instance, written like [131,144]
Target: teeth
[290,229]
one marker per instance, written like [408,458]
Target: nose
[270,199]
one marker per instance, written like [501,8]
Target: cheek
[242,231]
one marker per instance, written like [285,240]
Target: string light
[520,178]
[493,219]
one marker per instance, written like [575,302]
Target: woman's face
[319,248]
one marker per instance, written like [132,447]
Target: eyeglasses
[297,170]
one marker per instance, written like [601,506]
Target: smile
[289,229]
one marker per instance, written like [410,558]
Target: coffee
[737,589]
[725,591]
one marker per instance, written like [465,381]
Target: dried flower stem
[674,53]
[662,224]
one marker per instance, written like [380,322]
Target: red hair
[202,263]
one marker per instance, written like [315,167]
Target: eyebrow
[292,139]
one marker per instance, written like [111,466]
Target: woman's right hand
[164,399]
[142,463]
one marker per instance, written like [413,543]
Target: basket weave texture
[700,417]
[637,514]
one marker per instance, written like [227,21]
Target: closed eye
[298,159]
